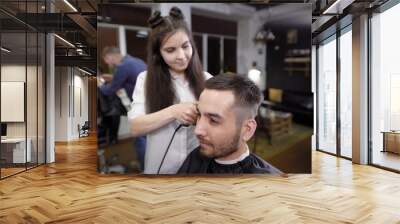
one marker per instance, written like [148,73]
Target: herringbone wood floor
[71,191]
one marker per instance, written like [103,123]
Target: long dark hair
[159,90]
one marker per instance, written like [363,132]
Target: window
[229,55]
[346,93]
[385,86]
[327,96]
[220,48]
[329,111]
[214,55]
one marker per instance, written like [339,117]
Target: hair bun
[176,13]
[155,19]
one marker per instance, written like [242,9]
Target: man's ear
[248,129]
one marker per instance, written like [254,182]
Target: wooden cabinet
[275,123]
[391,141]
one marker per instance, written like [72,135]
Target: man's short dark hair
[247,95]
[110,50]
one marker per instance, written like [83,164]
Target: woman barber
[165,94]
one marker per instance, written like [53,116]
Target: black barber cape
[197,163]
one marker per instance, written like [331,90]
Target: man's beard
[223,150]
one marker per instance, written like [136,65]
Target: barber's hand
[100,81]
[107,77]
[186,113]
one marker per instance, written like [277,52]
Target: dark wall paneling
[106,37]
[123,14]
[282,72]
[214,57]
[230,55]
[136,45]
[203,24]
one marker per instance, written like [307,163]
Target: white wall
[247,50]
[71,94]
[14,73]
[33,126]
[17,73]
[61,105]
[79,117]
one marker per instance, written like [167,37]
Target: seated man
[227,109]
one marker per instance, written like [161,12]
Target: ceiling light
[80,51]
[270,35]
[264,36]
[142,34]
[70,5]
[5,50]
[64,40]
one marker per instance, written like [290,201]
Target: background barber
[126,69]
